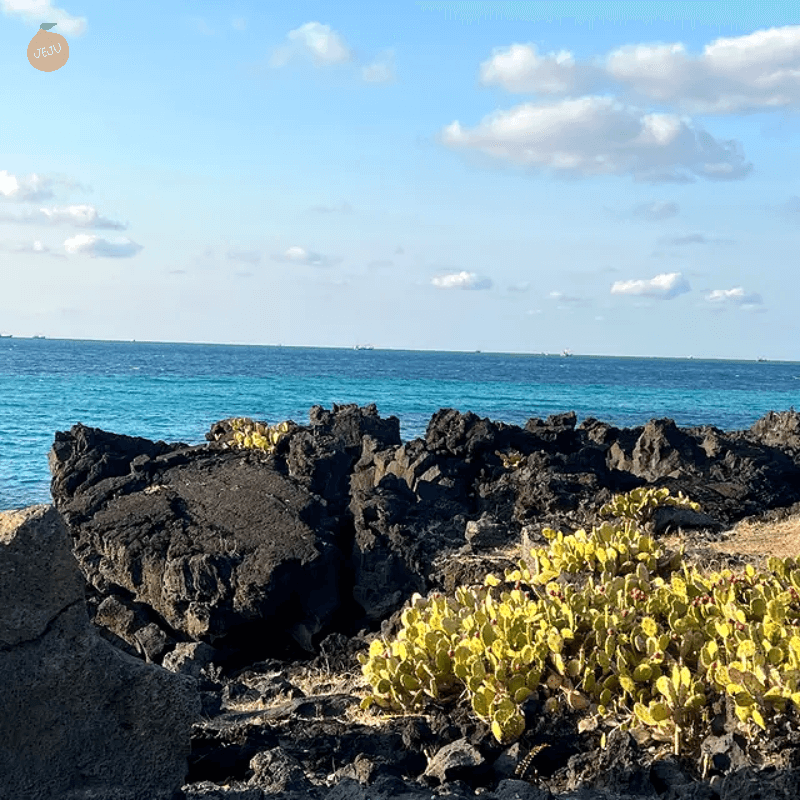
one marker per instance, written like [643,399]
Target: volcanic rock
[221,546]
[80,719]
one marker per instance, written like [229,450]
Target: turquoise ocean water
[175,392]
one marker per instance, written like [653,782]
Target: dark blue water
[175,392]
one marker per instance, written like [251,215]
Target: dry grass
[759,540]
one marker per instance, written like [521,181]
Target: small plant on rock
[256,435]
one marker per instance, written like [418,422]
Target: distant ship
[761,359]
[566,353]
[364,347]
[6,335]
[37,337]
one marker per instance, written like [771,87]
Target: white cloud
[664,286]
[81,216]
[239,23]
[39,11]
[461,280]
[519,68]
[756,72]
[326,47]
[655,211]
[247,256]
[33,248]
[95,246]
[566,298]
[8,184]
[736,297]
[299,255]
[313,39]
[380,71]
[599,136]
[759,71]
[519,288]
[28,189]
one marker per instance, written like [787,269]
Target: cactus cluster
[607,623]
[638,506]
[257,435]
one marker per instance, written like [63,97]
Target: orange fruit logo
[48,51]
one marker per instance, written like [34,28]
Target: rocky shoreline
[221,595]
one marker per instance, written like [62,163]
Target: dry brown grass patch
[763,539]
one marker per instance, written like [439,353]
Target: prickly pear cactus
[257,435]
[606,623]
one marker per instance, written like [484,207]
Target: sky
[615,178]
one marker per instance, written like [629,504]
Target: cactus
[642,640]
[258,436]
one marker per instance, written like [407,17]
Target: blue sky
[614,178]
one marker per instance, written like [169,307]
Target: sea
[174,392]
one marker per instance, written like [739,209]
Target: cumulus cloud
[655,211]
[599,136]
[461,280]
[519,68]
[734,297]
[38,11]
[759,71]
[756,72]
[313,39]
[81,216]
[97,247]
[664,286]
[26,189]
[299,255]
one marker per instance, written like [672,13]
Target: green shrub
[607,623]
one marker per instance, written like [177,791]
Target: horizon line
[371,348]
